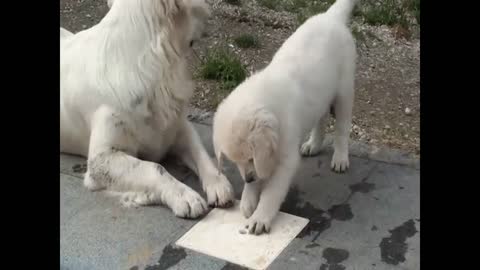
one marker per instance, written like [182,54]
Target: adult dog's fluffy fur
[262,123]
[124,88]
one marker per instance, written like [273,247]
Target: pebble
[408,111]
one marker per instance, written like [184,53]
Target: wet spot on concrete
[79,168]
[400,187]
[341,212]
[393,248]
[170,257]
[362,187]
[334,257]
[336,267]
[332,267]
[312,245]
[304,252]
[374,228]
[293,205]
[231,266]
[375,198]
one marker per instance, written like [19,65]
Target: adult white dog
[262,123]
[124,88]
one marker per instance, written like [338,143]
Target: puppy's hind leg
[314,144]
[112,165]
[343,120]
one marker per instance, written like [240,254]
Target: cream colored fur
[124,89]
[260,126]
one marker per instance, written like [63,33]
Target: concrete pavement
[368,218]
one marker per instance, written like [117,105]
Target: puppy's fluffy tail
[342,10]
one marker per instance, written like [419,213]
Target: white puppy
[124,88]
[262,123]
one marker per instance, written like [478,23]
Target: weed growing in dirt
[247,41]
[222,65]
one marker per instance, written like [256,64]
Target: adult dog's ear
[200,9]
[263,140]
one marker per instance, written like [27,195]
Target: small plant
[223,66]
[233,2]
[247,41]
[357,34]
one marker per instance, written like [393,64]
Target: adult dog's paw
[311,148]
[258,224]
[219,191]
[188,204]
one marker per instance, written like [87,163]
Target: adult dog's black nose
[250,177]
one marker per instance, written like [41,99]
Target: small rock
[408,111]
[387,127]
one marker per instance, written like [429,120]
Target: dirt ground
[387,105]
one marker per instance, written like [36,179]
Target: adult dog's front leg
[272,196]
[112,165]
[190,149]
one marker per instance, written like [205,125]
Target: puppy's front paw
[219,191]
[258,224]
[340,162]
[248,204]
[311,148]
[188,204]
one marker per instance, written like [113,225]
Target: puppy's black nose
[250,177]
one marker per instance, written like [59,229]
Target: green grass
[223,66]
[271,4]
[247,41]
[233,2]
[414,7]
[386,12]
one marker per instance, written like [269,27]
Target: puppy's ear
[263,141]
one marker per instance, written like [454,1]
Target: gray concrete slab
[368,218]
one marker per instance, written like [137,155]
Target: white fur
[261,124]
[124,88]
